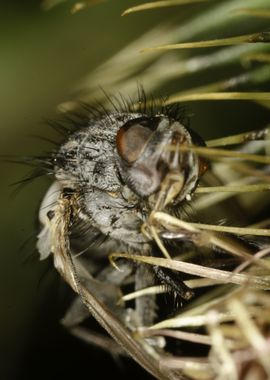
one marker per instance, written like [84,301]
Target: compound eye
[132,138]
[203,166]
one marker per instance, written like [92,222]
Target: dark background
[42,56]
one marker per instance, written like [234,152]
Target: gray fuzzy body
[113,196]
[113,173]
[88,163]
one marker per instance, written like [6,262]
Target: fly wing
[55,232]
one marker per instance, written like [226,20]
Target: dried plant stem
[213,153]
[160,4]
[233,230]
[226,366]
[165,219]
[238,139]
[252,333]
[252,96]
[261,13]
[198,270]
[233,189]
[182,335]
[250,38]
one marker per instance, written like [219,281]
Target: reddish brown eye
[132,138]
[203,162]
[203,166]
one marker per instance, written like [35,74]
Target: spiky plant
[225,331]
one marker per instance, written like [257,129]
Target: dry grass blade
[234,189]
[197,320]
[48,4]
[226,365]
[140,293]
[198,270]
[198,233]
[263,37]
[214,153]
[181,335]
[194,368]
[160,289]
[81,5]
[252,96]
[220,90]
[165,218]
[244,265]
[235,334]
[202,237]
[128,66]
[252,333]
[261,13]
[157,73]
[238,139]
[211,199]
[259,254]
[160,4]
[254,77]
[78,6]
[257,57]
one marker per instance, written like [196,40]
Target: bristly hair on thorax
[83,114]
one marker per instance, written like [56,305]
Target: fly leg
[72,320]
[173,282]
[145,306]
[106,287]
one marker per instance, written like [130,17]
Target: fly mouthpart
[175,183]
[174,179]
[171,187]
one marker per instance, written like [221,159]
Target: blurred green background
[42,57]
